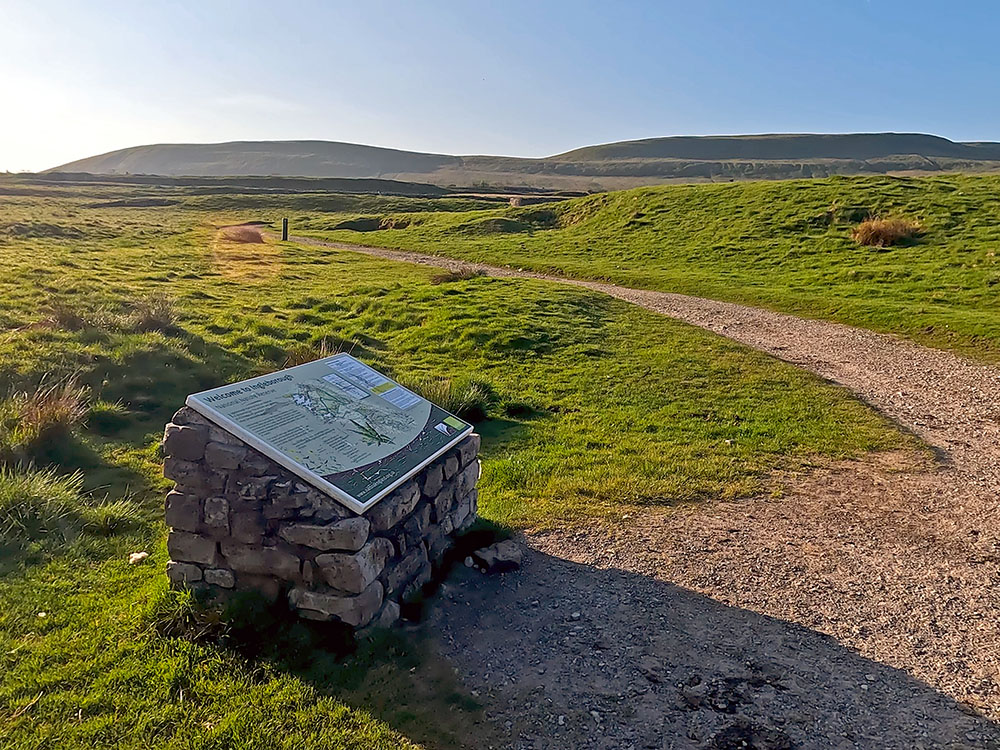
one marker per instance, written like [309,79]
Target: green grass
[782,245]
[593,409]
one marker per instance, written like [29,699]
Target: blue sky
[511,77]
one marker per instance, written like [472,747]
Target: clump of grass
[154,312]
[467,398]
[878,232]
[59,314]
[35,505]
[461,274]
[242,233]
[326,347]
[32,421]
[107,418]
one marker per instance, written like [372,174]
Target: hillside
[607,166]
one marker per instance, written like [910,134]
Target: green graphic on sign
[337,423]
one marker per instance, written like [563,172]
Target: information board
[337,423]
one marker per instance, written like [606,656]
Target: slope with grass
[786,246]
[589,409]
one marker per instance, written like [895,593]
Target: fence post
[284,230]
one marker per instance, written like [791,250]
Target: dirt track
[860,609]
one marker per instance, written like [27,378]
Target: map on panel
[337,423]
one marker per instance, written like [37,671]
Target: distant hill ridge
[646,161]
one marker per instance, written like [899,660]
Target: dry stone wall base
[241,522]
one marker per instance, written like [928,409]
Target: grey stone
[217,513]
[186,442]
[352,610]
[467,479]
[250,488]
[188,416]
[256,464]
[218,435]
[224,456]
[431,480]
[442,504]
[403,571]
[393,509]
[321,507]
[247,526]
[414,588]
[468,449]
[191,548]
[505,555]
[461,512]
[184,472]
[437,543]
[220,577]
[266,561]
[388,615]
[349,535]
[470,506]
[353,573]
[181,573]
[182,511]
[452,463]
[418,521]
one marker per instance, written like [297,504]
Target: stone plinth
[241,522]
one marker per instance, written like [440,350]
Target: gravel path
[858,609]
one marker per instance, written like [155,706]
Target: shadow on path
[565,655]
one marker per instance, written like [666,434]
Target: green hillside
[607,166]
[784,245]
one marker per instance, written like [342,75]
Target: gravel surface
[855,608]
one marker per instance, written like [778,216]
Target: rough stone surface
[183,573]
[496,558]
[349,535]
[352,610]
[186,442]
[353,573]
[241,522]
[187,547]
[220,577]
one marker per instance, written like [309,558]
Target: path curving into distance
[871,587]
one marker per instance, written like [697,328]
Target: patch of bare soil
[856,608]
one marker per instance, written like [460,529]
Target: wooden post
[284,230]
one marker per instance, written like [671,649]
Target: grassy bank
[592,409]
[783,245]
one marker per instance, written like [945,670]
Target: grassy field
[593,409]
[782,245]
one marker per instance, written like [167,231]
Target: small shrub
[63,315]
[155,312]
[462,274]
[242,233]
[878,232]
[467,398]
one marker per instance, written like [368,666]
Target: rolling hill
[606,166]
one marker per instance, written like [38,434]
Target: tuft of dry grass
[155,312]
[467,398]
[306,353]
[242,233]
[59,314]
[461,274]
[878,232]
[30,421]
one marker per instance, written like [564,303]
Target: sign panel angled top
[337,423]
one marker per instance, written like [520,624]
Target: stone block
[353,610]
[182,573]
[187,547]
[414,588]
[188,416]
[353,573]
[403,571]
[184,472]
[468,449]
[223,456]
[452,464]
[393,509]
[431,480]
[442,504]
[249,488]
[217,514]
[467,479]
[320,507]
[218,435]
[256,464]
[264,561]
[220,577]
[418,521]
[469,507]
[182,511]
[349,534]
[186,442]
[437,543]
[247,526]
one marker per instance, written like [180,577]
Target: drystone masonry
[241,522]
